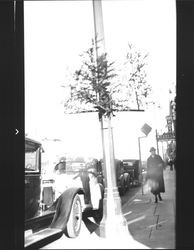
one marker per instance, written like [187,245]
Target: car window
[31,162]
[74,166]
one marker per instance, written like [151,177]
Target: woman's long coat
[155,166]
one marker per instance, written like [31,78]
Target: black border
[12,144]
[12,124]
[185,125]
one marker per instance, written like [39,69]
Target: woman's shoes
[160,198]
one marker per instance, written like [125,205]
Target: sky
[56,32]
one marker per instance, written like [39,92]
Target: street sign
[173,109]
[146,129]
[166,136]
[169,123]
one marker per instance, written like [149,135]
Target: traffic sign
[146,129]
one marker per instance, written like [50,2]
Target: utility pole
[157,141]
[139,146]
[146,130]
[113,224]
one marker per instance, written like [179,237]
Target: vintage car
[132,167]
[122,177]
[48,216]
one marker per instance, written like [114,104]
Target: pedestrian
[94,187]
[155,167]
[64,180]
[60,168]
[171,153]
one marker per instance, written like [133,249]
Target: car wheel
[73,227]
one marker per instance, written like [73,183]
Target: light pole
[139,146]
[113,223]
[157,141]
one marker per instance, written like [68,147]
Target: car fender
[63,208]
[102,197]
[101,189]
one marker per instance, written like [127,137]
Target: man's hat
[152,149]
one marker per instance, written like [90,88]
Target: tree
[98,86]
[135,85]
[93,86]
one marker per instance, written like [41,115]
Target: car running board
[42,238]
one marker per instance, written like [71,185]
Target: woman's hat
[152,149]
[62,159]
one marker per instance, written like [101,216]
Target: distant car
[132,167]
[48,217]
[122,177]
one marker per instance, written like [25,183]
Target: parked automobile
[122,177]
[132,167]
[47,216]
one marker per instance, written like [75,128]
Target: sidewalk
[151,225]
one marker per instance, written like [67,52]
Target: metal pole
[139,146]
[113,224]
[103,149]
[162,150]
[157,142]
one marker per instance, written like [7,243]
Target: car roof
[31,145]
[32,140]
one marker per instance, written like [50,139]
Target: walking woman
[155,167]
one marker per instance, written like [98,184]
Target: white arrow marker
[16,131]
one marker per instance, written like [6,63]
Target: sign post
[146,130]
